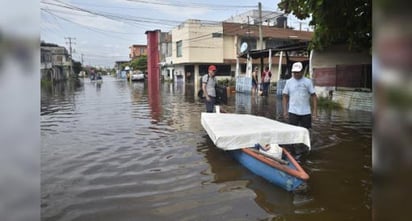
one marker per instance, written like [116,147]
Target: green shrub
[45,83]
[325,102]
[226,82]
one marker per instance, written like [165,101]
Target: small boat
[239,134]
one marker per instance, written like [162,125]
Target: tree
[139,63]
[77,66]
[336,21]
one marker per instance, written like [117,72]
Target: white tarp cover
[235,131]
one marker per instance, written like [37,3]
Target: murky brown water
[112,152]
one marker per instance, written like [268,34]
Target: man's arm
[314,99]
[285,100]
[205,91]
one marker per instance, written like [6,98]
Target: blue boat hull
[268,172]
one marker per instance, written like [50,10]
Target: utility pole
[260,27]
[260,36]
[70,49]
[70,44]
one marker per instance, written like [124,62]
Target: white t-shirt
[299,92]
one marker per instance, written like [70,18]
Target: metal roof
[301,46]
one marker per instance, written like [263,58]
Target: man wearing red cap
[208,86]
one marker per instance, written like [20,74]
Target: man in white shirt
[297,93]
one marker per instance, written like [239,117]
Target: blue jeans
[266,88]
[210,105]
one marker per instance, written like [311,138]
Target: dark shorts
[301,120]
[254,84]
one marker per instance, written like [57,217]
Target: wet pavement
[126,151]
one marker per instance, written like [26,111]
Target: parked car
[138,76]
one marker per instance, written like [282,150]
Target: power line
[115,17]
[100,31]
[135,19]
[192,4]
[69,9]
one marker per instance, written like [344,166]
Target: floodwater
[127,151]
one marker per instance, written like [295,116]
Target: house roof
[138,46]
[300,46]
[268,32]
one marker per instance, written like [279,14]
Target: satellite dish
[243,47]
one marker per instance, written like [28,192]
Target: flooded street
[124,151]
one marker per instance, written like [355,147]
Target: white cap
[297,67]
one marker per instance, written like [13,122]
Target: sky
[101,31]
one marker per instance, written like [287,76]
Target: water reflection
[279,107]
[228,171]
[244,102]
[154,100]
[133,150]
[98,86]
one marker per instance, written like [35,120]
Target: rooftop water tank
[281,21]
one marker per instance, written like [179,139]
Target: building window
[179,49]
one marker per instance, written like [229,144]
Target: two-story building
[196,44]
[137,50]
[56,64]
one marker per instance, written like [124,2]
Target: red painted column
[153,55]
[153,74]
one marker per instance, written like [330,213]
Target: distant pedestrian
[266,75]
[92,75]
[297,94]
[208,86]
[255,80]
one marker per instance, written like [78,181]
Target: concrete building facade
[137,50]
[196,44]
[55,62]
